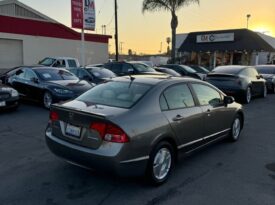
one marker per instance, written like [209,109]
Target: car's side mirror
[228,100]
[35,80]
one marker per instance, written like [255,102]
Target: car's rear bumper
[99,160]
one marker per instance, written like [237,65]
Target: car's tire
[264,91]
[273,89]
[247,95]
[161,163]
[236,128]
[47,99]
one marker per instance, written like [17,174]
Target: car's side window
[83,74]
[127,68]
[179,96]
[29,75]
[245,72]
[207,95]
[116,68]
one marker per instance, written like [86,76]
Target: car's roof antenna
[132,79]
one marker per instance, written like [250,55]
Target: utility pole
[116,32]
[247,20]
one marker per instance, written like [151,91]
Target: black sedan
[9,97]
[242,82]
[46,85]
[93,74]
[184,70]
[268,73]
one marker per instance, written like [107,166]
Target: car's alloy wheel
[47,100]
[236,128]
[161,163]
[248,95]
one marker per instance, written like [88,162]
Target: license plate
[73,130]
[2,104]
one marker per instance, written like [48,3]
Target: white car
[60,62]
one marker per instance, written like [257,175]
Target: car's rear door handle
[178,118]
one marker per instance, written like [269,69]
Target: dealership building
[225,47]
[27,36]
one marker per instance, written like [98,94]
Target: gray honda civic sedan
[140,125]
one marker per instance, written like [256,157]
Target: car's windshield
[115,94]
[47,61]
[55,74]
[101,73]
[143,68]
[266,70]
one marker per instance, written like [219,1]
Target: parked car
[243,82]
[184,70]
[268,73]
[130,68]
[93,74]
[167,71]
[46,85]
[134,125]
[60,62]
[9,97]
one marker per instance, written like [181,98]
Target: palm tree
[172,6]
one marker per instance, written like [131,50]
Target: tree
[171,6]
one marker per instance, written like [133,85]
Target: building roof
[244,40]
[17,9]
[18,18]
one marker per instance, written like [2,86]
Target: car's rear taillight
[110,132]
[54,116]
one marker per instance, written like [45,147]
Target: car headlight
[13,92]
[63,91]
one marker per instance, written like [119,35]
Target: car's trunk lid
[75,119]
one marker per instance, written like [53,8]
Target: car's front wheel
[47,100]
[161,163]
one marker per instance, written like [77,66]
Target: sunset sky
[143,33]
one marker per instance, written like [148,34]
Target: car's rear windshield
[266,70]
[143,68]
[52,74]
[47,61]
[115,94]
[101,73]
[228,70]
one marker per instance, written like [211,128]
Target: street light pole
[247,21]
[116,32]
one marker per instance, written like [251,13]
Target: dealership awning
[225,40]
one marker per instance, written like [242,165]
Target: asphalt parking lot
[224,173]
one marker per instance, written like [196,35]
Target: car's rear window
[115,94]
[266,70]
[72,63]
[101,72]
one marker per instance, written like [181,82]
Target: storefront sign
[89,14]
[77,13]
[221,37]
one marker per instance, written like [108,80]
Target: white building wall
[36,48]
